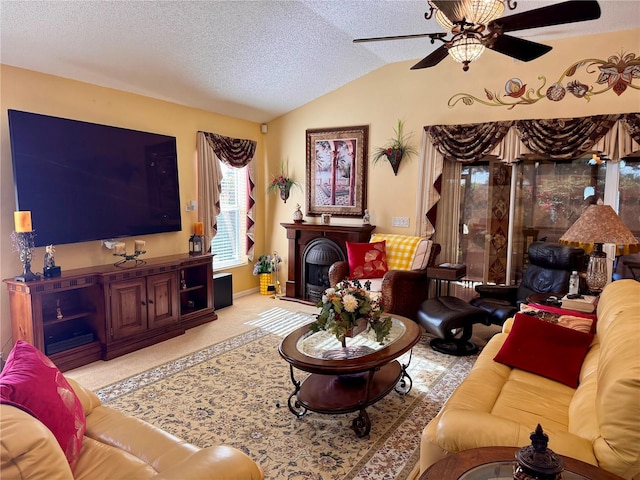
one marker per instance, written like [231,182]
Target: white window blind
[229,245]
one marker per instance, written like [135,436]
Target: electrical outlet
[400,222]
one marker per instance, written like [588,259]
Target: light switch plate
[400,222]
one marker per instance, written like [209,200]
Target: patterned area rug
[235,393]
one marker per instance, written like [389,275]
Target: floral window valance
[236,152]
[613,136]
[556,139]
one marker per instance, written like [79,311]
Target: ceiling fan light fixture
[472,11]
[466,48]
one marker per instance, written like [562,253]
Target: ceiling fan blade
[519,48]
[557,14]
[395,37]
[453,10]
[433,58]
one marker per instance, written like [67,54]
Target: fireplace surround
[311,246]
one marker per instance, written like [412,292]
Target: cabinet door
[162,299]
[128,301]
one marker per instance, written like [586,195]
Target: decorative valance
[235,152]
[613,136]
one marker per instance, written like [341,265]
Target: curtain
[211,149]
[614,136]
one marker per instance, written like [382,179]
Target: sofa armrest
[216,463]
[454,434]
[338,272]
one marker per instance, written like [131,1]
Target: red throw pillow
[31,382]
[367,260]
[546,349]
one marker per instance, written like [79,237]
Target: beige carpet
[235,392]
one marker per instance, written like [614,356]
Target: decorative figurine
[50,270]
[536,461]
[297,215]
[366,219]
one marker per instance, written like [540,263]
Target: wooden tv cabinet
[102,312]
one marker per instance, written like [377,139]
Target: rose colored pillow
[546,349]
[31,382]
[367,260]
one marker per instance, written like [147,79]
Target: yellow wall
[378,99]
[420,97]
[34,92]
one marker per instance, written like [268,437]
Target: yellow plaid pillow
[401,249]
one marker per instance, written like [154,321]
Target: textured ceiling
[249,59]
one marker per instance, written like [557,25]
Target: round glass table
[351,379]
[496,463]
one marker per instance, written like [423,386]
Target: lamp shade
[600,224]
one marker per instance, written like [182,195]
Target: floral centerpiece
[343,307]
[282,182]
[396,148]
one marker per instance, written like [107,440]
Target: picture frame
[337,171]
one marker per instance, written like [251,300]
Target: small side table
[446,273]
[496,463]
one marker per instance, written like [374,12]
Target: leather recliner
[550,266]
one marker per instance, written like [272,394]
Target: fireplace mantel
[301,234]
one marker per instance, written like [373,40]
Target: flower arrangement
[282,182]
[267,264]
[396,148]
[344,305]
[264,264]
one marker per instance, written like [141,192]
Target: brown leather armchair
[403,291]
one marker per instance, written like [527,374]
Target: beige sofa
[598,422]
[115,446]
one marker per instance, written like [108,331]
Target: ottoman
[450,319]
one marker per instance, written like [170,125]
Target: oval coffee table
[348,381]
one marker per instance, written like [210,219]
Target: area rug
[235,393]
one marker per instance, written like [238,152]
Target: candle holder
[23,243]
[129,258]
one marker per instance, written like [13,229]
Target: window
[474,211]
[229,244]
[629,189]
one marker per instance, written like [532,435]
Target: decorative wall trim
[617,73]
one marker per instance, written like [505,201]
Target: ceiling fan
[475,25]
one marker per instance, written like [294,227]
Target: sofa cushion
[367,260]
[405,252]
[582,322]
[31,382]
[545,349]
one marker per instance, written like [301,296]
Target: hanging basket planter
[394,155]
[282,183]
[395,150]
[285,191]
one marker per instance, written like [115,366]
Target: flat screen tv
[83,181]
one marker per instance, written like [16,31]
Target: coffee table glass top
[504,471]
[316,345]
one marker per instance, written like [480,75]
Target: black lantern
[195,245]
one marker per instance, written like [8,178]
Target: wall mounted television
[84,181]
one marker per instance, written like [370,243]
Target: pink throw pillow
[30,381]
[546,349]
[367,260]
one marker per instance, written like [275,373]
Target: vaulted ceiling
[249,59]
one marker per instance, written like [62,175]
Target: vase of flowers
[396,149]
[263,268]
[282,182]
[349,308]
